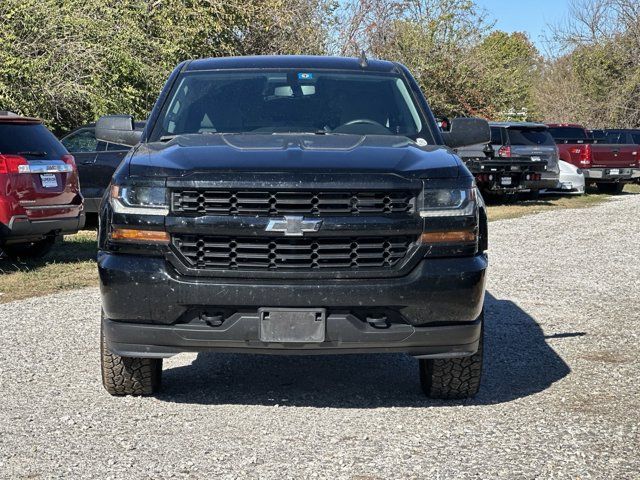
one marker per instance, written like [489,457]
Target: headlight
[448,203]
[139,200]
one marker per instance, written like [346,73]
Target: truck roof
[632,130]
[289,61]
[10,117]
[561,125]
[517,124]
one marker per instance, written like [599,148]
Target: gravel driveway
[560,395]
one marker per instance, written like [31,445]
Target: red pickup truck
[609,162]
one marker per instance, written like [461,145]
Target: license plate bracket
[292,325]
[48,180]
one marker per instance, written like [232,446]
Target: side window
[81,142]
[101,146]
[496,136]
[114,147]
[636,138]
[613,137]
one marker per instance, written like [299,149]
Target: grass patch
[72,264]
[503,211]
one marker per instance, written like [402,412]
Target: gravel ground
[560,395]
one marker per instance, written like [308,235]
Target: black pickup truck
[292,205]
[522,157]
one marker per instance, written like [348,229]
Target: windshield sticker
[305,76]
[421,142]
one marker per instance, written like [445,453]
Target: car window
[530,136]
[114,147]
[83,141]
[614,137]
[636,138]
[568,133]
[496,135]
[30,137]
[289,101]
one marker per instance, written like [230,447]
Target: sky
[530,16]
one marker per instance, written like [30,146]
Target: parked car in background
[571,180]
[607,157]
[96,160]
[40,197]
[521,157]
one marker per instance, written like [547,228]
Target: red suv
[39,190]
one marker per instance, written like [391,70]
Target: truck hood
[188,154]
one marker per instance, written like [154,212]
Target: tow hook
[378,321]
[214,320]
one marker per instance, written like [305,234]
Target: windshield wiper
[167,138]
[33,154]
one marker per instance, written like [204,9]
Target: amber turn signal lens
[456,236]
[139,236]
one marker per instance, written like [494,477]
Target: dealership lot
[560,396]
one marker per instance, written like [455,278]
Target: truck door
[608,153]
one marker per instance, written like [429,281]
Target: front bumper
[151,311]
[21,228]
[611,175]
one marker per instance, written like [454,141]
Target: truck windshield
[568,133]
[289,101]
[530,136]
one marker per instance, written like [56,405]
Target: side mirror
[467,131]
[118,129]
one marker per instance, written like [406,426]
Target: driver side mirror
[118,129]
[467,131]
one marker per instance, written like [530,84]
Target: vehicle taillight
[504,151]
[69,160]
[11,163]
[585,156]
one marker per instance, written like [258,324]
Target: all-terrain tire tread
[129,376]
[452,378]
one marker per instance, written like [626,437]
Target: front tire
[453,378]
[128,375]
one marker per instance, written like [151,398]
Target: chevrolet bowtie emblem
[293,226]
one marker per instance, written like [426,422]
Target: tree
[70,61]
[507,68]
[433,38]
[597,75]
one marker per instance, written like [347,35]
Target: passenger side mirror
[118,129]
[467,131]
